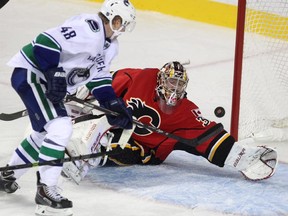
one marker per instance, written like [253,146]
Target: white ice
[184,184]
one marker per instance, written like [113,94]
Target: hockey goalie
[158,97]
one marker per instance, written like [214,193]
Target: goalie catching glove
[255,163]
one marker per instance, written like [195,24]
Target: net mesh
[264,91]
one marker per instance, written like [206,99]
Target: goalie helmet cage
[260,85]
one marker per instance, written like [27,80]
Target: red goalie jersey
[137,88]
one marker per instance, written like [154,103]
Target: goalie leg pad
[87,139]
[70,170]
[76,171]
[255,163]
[42,210]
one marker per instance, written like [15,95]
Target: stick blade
[13,116]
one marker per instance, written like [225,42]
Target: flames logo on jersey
[145,114]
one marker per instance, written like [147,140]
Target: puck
[219,112]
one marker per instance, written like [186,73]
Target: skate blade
[42,210]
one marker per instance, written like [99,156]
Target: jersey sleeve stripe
[96,84]
[216,145]
[46,44]
[27,52]
[48,40]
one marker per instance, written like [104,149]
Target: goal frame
[238,61]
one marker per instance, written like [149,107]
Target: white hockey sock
[59,131]
[27,152]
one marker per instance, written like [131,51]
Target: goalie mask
[171,86]
[122,8]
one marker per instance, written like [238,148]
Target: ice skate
[50,202]
[8,182]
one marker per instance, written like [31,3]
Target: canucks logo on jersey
[93,25]
[77,75]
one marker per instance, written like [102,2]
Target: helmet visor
[174,90]
[128,26]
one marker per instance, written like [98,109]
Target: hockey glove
[255,163]
[124,119]
[56,84]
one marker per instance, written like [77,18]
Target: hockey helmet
[172,81]
[122,8]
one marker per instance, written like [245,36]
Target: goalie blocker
[255,163]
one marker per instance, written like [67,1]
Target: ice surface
[184,184]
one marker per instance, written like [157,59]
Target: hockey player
[158,97]
[56,62]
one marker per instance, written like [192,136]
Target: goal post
[260,85]
[238,68]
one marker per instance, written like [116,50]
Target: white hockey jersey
[79,45]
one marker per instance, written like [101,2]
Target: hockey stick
[63,160]
[84,118]
[58,161]
[13,116]
[190,142]
[22,113]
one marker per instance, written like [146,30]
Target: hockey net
[261,92]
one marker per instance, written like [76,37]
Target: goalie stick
[190,142]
